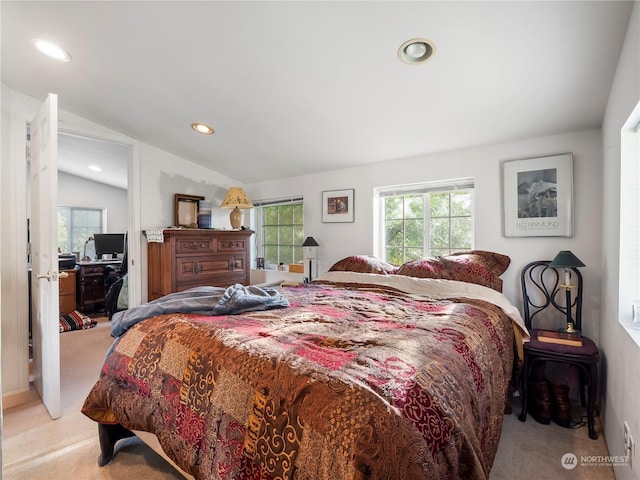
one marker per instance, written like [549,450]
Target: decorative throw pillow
[474,266]
[497,262]
[363,264]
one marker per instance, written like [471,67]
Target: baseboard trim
[21,398]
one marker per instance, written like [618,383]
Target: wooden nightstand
[67,292]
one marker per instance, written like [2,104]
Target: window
[280,231]
[76,225]
[629,280]
[425,220]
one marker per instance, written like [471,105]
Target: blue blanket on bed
[233,300]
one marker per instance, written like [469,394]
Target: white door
[44,260]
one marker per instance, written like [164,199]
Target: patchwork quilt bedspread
[352,381]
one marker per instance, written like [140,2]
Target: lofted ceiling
[301,87]
[77,153]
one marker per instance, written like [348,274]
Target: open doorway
[93,205]
[92,183]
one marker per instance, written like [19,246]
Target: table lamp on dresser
[236,199]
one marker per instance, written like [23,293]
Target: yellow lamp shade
[236,199]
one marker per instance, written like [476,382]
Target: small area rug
[76,321]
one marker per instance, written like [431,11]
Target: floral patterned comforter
[352,381]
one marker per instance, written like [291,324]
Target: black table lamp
[86,258]
[310,242]
[566,259]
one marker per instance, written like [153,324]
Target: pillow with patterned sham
[474,266]
[363,264]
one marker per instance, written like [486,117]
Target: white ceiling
[301,87]
[77,153]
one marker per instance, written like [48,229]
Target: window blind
[276,201]
[429,187]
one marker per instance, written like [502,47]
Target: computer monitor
[109,243]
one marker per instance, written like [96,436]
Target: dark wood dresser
[90,284]
[193,257]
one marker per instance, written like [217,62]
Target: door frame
[17,173]
[134,238]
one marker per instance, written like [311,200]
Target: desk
[90,290]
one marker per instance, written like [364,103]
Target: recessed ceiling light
[415,51]
[95,168]
[202,128]
[52,50]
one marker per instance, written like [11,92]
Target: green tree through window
[428,223]
[282,233]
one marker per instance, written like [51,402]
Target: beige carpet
[38,448]
[533,451]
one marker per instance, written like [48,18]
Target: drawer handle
[197,268]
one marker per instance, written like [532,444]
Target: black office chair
[113,273]
[541,297]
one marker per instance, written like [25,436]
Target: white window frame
[426,188]
[629,261]
[257,225]
[103,218]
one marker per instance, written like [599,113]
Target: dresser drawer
[223,281]
[89,281]
[90,294]
[67,285]
[97,270]
[229,245]
[196,245]
[67,304]
[207,268]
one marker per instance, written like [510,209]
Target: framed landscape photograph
[337,206]
[538,196]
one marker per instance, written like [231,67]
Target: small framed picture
[337,206]
[186,210]
[538,196]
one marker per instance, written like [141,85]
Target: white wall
[76,191]
[165,175]
[620,366]
[338,240]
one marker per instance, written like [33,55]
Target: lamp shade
[236,197]
[310,242]
[566,259]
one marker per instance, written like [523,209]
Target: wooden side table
[67,292]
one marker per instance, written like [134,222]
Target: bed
[363,375]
